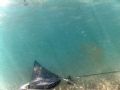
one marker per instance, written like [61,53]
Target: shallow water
[67,37]
[101,82]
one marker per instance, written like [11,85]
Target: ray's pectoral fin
[24,87]
[42,78]
[37,70]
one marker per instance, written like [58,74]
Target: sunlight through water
[4,3]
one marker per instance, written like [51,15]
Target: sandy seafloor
[68,37]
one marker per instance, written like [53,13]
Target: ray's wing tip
[36,63]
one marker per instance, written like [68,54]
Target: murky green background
[69,37]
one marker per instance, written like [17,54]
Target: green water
[69,37]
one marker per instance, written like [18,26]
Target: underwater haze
[68,37]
